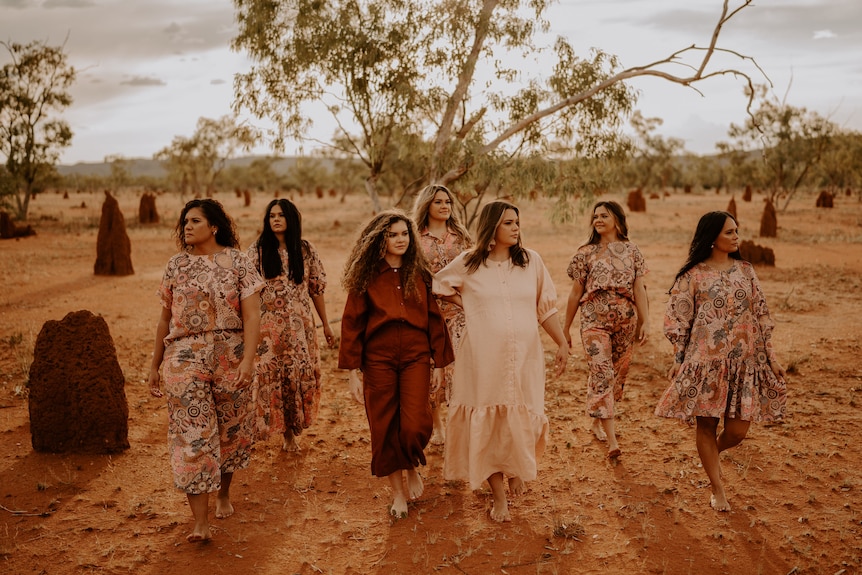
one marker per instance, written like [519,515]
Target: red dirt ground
[796,487]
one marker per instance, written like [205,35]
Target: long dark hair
[619,215]
[708,228]
[267,244]
[489,219]
[370,248]
[216,216]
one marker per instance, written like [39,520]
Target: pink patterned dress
[438,253]
[210,429]
[288,369]
[608,318]
[721,333]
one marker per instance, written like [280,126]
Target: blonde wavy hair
[420,213]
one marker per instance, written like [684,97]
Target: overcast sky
[148,69]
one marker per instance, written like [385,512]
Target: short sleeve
[316,274]
[679,315]
[641,268]
[250,281]
[578,270]
[166,288]
[449,280]
[546,293]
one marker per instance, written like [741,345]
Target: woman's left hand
[777,369]
[244,375]
[331,340]
[643,333]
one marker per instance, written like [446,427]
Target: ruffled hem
[497,438]
[746,390]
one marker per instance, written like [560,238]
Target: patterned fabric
[288,368]
[497,418]
[210,429]
[721,332]
[439,252]
[613,267]
[608,318]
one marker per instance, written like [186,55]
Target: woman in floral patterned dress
[442,237]
[724,361]
[288,371]
[609,289]
[205,341]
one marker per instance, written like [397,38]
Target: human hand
[153,381]
[673,371]
[437,378]
[354,382]
[643,332]
[777,369]
[561,359]
[244,375]
[331,339]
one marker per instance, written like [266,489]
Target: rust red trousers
[396,374]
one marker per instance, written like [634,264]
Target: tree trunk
[371,188]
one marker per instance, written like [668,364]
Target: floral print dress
[288,369]
[438,253]
[721,332]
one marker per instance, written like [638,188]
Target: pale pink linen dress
[497,419]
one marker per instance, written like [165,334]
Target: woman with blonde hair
[442,237]
[393,331]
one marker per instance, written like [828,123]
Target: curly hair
[619,215]
[420,213]
[267,244]
[216,216]
[489,220]
[369,249]
[708,229]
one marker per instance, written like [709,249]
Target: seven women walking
[609,290]
[724,361]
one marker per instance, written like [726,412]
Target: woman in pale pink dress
[724,362]
[442,237]
[497,424]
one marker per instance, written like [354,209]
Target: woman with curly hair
[608,273]
[442,237]
[288,370]
[205,342]
[392,330]
[497,423]
[724,361]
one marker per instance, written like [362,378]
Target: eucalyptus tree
[378,64]
[197,161]
[790,142]
[34,90]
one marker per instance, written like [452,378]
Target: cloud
[143,81]
[67,4]
[821,34]
[20,4]
[217,82]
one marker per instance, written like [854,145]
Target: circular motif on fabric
[196,320]
[279,303]
[691,392]
[203,305]
[740,294]
[683,307]
[182,278]
[719,303]
[761,357]
[232,323]
[194,411]
[771,394]
[202,278]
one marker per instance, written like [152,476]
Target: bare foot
[198,537]
[398,509]
[598,431]
[500,512]
[438,437]
[223,509]
[290,445]
[415,486]
[614,453]
[719,504]
[516,486]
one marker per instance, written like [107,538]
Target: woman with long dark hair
[609,290]
[204,348]
[497,424]
[288,371]
[392,330]
[724,361]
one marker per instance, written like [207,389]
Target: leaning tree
[34,89]
[375,65]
